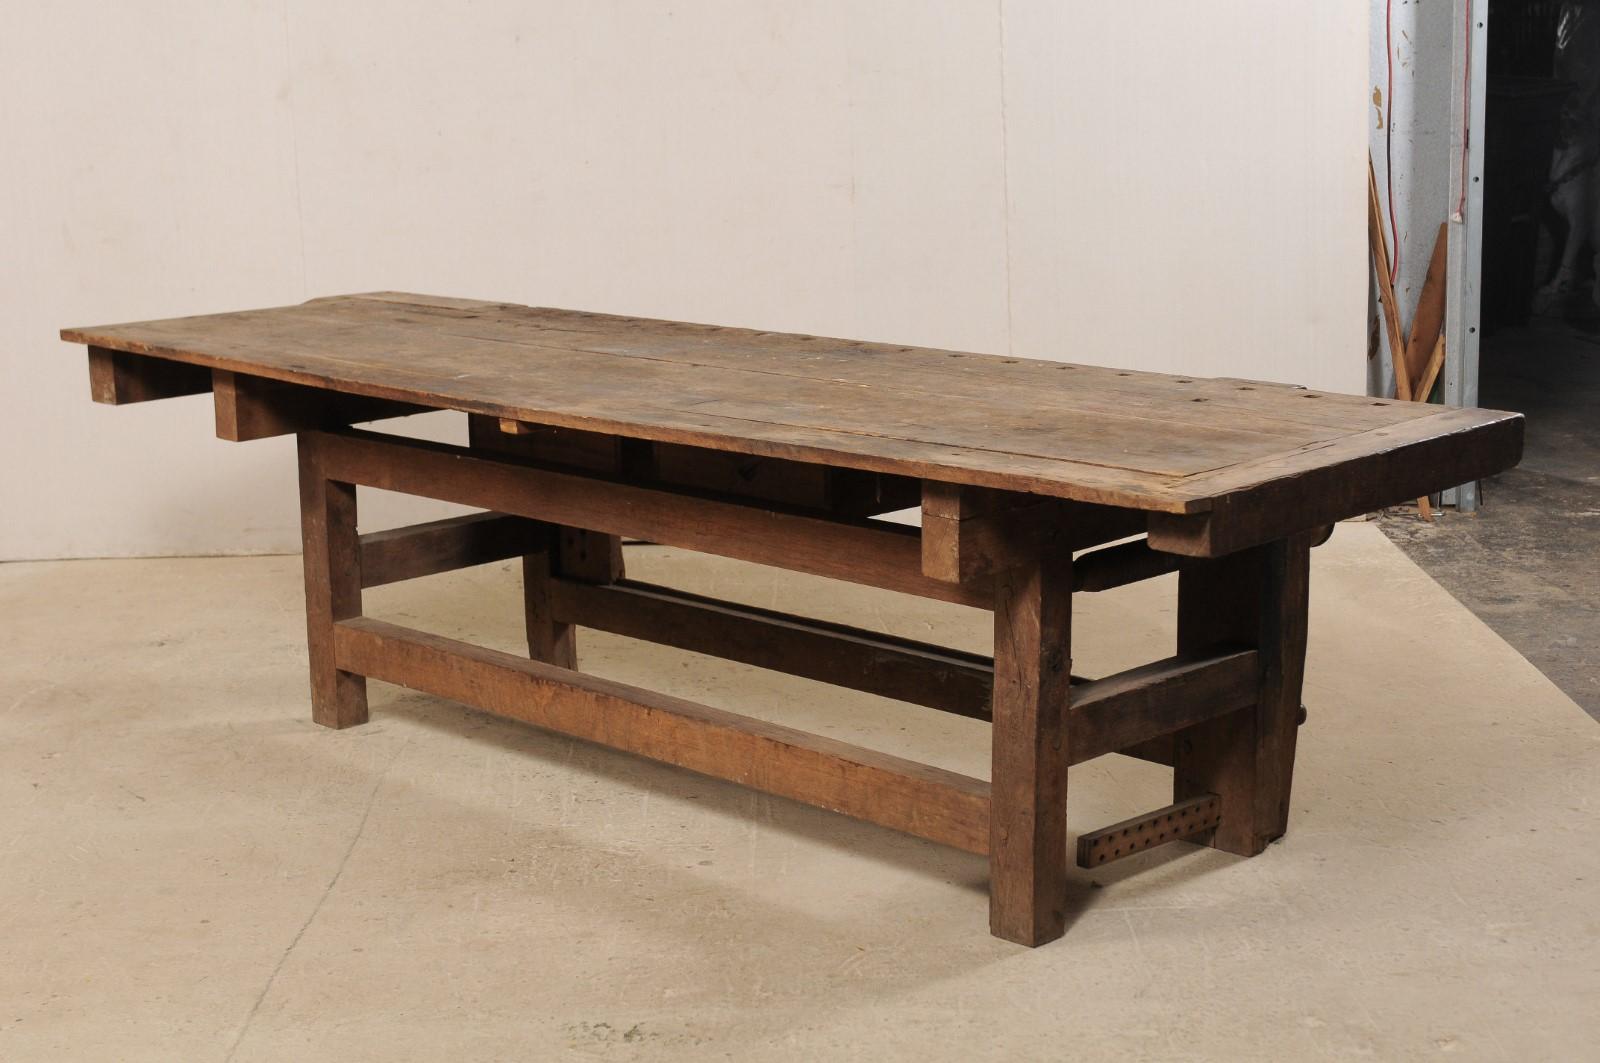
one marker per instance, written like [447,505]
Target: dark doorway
[1529,562]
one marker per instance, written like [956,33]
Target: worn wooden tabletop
[1147,441]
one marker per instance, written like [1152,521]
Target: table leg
[332,560]
[549,639]
[571,554]
[1254,597]
[566,552]
[1028,804]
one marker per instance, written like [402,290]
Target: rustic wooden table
[781,449]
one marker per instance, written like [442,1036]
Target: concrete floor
[1528,563]
[189,869]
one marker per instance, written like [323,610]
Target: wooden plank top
[1150,441]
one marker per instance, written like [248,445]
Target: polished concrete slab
[189,869]
[1528,562]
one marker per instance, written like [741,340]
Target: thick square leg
[574,554]
[332,559]
[1028,789]
[571,553]
[549,640]
[1255,597]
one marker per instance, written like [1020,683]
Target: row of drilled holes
[1187,825]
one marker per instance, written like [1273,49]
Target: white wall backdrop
[1167,185]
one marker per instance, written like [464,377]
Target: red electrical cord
[1466,112]
[1388,140]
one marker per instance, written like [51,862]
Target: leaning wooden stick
[1430,373]
[1427,324]
[1380,262]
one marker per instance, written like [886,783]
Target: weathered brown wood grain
[965,539]
[117,378]
[1314,488]
[1144,703]
[332,563]
[1152,442]
[775,448]
[874,553]
[1256,597]
[844,656]
[550,639]
[253,407]
[1028,795]
[1185,819]
[444,546]
[932,803]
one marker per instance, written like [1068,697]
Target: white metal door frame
[1469,54]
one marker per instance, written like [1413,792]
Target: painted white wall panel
[1182,196]
[1149,187]
[146,170]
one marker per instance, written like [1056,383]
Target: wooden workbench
[782,449]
